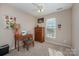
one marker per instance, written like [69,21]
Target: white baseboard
[11,48]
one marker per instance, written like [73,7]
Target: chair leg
[33,43]
[27,47]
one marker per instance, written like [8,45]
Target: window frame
[54,36]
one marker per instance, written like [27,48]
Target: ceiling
[48,8]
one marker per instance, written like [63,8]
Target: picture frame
[59,25]
[40,20]
[10,21]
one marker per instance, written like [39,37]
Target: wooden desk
[19,37]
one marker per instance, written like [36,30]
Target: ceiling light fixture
[39,6]
[40,10]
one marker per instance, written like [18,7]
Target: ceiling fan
[40,7]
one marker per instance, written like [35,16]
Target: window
[51,28]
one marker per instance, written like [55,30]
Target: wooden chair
[17,34]
[28,41]
[17,39]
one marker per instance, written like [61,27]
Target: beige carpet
[42,49]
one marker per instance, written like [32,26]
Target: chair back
[30,36]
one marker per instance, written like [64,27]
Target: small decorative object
[10,21]
[41,20]
[24,32]
[11,18]
[16,26]
[6,17]
[14,20]
[59,25]
[37,25]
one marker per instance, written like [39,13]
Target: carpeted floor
[42,49]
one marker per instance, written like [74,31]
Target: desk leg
[15,43]
[27,47]
[18,45]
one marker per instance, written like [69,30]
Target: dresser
[39,34]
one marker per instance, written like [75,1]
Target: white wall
[63,36]
[75,28]
[26,21]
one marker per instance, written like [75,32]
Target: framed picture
[59,25]
[41,20]
[10,21]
